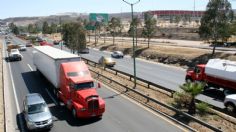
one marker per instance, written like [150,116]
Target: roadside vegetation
[215,23]
[74,36]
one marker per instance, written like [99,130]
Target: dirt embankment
[1,92]
[178,56]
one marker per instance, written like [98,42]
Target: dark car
[29,45]
[56,42]
[84,51]
[117,54]
[38,39]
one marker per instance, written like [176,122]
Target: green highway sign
[98,17]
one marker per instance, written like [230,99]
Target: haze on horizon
[29,8]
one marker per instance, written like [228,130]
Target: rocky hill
[61,17]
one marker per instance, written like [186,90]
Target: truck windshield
[75,74]
[84,85]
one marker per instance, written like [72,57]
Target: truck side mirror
[99,85]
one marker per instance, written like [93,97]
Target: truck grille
[93,105]
[41,122]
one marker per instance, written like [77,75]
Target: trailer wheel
[230,107]
[74,113]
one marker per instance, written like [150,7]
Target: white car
[230,102]
[117,54]
[22,47]
[15,55]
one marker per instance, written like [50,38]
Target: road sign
[98,17]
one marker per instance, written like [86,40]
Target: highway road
[121,113]
[164,75]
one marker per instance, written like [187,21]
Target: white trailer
[219,68]
[47,60]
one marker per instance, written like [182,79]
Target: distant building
[170,14]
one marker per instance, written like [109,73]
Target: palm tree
[193,89]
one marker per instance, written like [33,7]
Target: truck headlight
[83,109]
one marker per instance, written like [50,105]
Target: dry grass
[172,55]
[160,49]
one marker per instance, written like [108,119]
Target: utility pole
[134,46]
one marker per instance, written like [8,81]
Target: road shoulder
[2,115]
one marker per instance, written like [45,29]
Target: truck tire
[74,113]
[188,80]
[56,92]
[230,107]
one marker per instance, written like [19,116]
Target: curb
[3,99]
[9,127]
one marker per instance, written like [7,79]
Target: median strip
[158,101]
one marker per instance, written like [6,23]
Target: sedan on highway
[117,54]
[22,47]
[36,112]
[29,44]
[106,61]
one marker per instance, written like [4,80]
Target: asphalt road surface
[164,75]
[121,114]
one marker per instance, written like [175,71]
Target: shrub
[202,108]
[181,99]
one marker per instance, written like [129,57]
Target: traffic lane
[64,119]
[175,78]
[162,75]
[143,68]
[23,85]
[11,110]
[120,115]
[130,115]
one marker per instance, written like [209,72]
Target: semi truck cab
[196,74]
[78,92]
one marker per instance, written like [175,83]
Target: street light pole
[134,47]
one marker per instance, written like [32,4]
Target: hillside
[60,17]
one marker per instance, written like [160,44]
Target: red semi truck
[216,73]
[72,81]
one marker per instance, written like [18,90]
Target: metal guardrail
[131,76]
[163,105]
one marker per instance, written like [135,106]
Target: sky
[28,8]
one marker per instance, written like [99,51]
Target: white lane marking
[145,108]
[31,69]
[54,100]
[15,96]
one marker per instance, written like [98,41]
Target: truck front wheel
[188,80]
[230,107]
[74,113]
